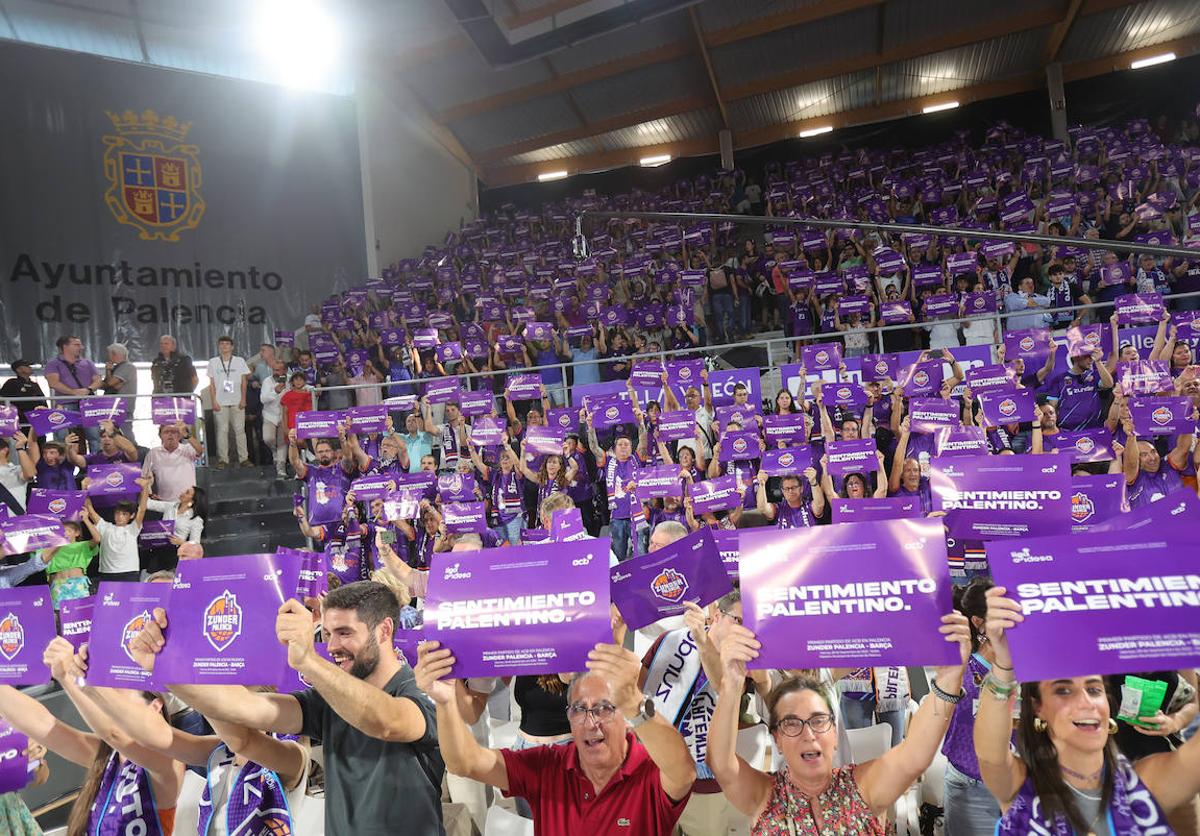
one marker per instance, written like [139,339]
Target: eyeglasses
[736,619]
[794,726]
[601,712]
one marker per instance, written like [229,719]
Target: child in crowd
[67,565]
[119,560]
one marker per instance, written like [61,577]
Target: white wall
[414,190]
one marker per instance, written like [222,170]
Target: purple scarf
[257,802]
[124,802]
[506,496]
[788,517]
[617,475]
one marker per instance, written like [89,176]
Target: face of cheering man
[623,449]
[596,724]
[324,452]
[353,646]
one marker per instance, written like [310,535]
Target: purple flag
[1138,308]
[961,441]
[711,495]
[871,509]
[122,610]
[401,403]
[1083,445]
[443,390]
[1082,340]
[1090,609]
[610,411]
[9,421]
[523,387]
[319,423]
[786,461]
[682,374]
[654,586]
[46,421]
[14,766]
[820,357]
[647,374]
[1145,377]
[789,428]
[990,378]
[375,486]
[156,534]
[989,497]
[999,407]
[472,404]
[221,610]
[456,487]
[450,352]
[659,481]
[115,480]
[26,627]
[878,367]
[927,415]
[677,425]
[544,440]
[93,411]
[524,610]
[923,379]
[487,431]
[896,313]
[813,601]
[75,615]
[464,517]
[1032,345]
[740,445]
[368,419]
[1162,416]
[1096,499]
[854,456]
[30,532]
[66,505]
[171,410]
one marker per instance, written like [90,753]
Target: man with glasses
[795,511]
[627,770]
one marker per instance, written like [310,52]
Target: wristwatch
[644,715]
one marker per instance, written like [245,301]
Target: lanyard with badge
[227,383]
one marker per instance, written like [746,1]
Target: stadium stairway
[250,511]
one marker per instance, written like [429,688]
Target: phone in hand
[387,536]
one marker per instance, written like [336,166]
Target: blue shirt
[419,444]
[11,576]
[587,372]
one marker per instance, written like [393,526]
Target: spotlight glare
[299,40]
[551,175]
[655,160]
[940,107]
[824,129]
[1152,60]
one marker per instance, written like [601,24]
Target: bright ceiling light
[939,107]
[300,40]
[1151,61]
[551,175]
[824,129]
[656,160]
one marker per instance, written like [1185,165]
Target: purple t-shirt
[77,375]
[959,745]
[327,488]
[922,492]
[61,477]
[1079,400]
[788,517]
[100,458]
[1148,487]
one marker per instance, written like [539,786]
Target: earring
[1039,725]
[1112,726]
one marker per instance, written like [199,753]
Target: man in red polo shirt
[627,771]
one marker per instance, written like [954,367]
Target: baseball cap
[16,364]
[312,319]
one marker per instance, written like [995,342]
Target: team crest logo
[612,413]
[1008,407]
[739,445]
[1026,344]
[685,373]
[271,825]
[56,417]
[222,621]
[843,393]
[114,479]
[131,629]
[979,302]
[154,177]
[57,505]
[669,585]
[1161,416]
[881,367]
[12,636]
[1092,339]
[787,460]
[921,378]
[1082,507]
[1084,445]
[822,357]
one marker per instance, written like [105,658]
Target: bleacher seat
[869,743]
[504,822]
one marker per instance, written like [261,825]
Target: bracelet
[1000,667]
[953,699]
[1000,690]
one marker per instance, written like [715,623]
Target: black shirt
[17,387]
[173,376]
[373,787]
[543,714]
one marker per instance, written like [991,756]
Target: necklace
[1097,799]
[1095,776]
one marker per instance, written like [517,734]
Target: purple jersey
[1151,487]
[959,745]
[507,490]
[1079,400]
[922,492]
[788,517]
[327,488]
[617,476]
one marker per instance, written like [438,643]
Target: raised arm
[34,720]
[1002,772]
[1048,368]
[818,494]
[294,457]
[747,788]
[898,457]
[767,509]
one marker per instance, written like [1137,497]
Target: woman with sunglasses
[809,796]
[1066,775]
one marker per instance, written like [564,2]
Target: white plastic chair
[753,746]
[503,822]
[503,732]
[933,782]
[869,743]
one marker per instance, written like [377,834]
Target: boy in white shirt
[119,559]
[227,376]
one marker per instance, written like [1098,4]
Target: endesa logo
[669,585]
[454,573]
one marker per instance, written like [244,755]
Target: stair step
[251,490]
[227,507]
[262,521]
[265,542]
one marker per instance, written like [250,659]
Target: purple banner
[647,375]
[1138,308]
[677,425]
[789,429]
[927,415]
[220,610]
[375,486]
[487,431]
[786,461]
[30,532]
[711,495]
[961,441]
[1084,445]
[654,586]
[813,600]
[544,440]
[855,456]
[1162,416]
[368,419]
[880,367]
[682,374]
[456,487]
[75,615]
[744,415]
[404,504]
[659,481]
[610,411]
[1145,377]
[450,352]
[66,505]
[156,534]
[1096,499]
[94,411]
[319,423]
[523,387]
[115,480]
[566,418]
[999,408]
[464,517]
[26,627]
[472,404]
[9,421]
[989,378]
[922,379]
[989,497]
[1031,345]
[895,313]
[48,421]
[313,578]
[120,613]
[739,445]
[524,610]
[443,390]
[1082,340]
[727,547]
[1089,609]
[171,410]
[820,357]
[939,305]
[567,525]
[15,772]
[872,509]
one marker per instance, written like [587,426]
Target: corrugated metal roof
[463,76]
[655,84]
[906,21]
[83,31]
[653,33]
[1130,27]
[722,14]
[963,67]
[521,121]
[818,98]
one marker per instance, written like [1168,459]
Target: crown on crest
[148,122]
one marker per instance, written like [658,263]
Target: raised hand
[433,666]
[294,628]
[146,645]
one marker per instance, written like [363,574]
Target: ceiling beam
[1182,47]
[785,20]
[600,161]
[442,135]
[615,123]
[712,74]
[518,18]
[1058,32]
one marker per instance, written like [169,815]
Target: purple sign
[1162,416]
[115,480]
[939,305]
[523,387]
[545,440]
[171,410]
[1090,609]
[647,375]
[368,419]
[1032,345]
[1145,377]
[472,404]
[220,610]
[853,456]
[1138,308]
[564,418]
[896,313]
[456,487]
[156,534]
[711,495]
[610,411]
[922,379]
[94,411]
[375,486]
[989,497]
[464,517]
[567,525]
[524,610]
[121,611]
[14,765]
[450,352]
[677,425]
[790,429]
[487,431]
[66,505]
[960,441]
[26,627]
[1000,408]
[47,421]
[1096,499]
[871,509]
[989,378]
[682,374]
[75,615]
[880,367]
[927,415]
[30,532]
[786,461]
[1116,273]
[443,390]
[659,481]
[1083,445]
[654,586]
[9,420]
[820,357]
[319,423]
[739,445]
[813,600]
[313,579]
[1083,340]
[404,504]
